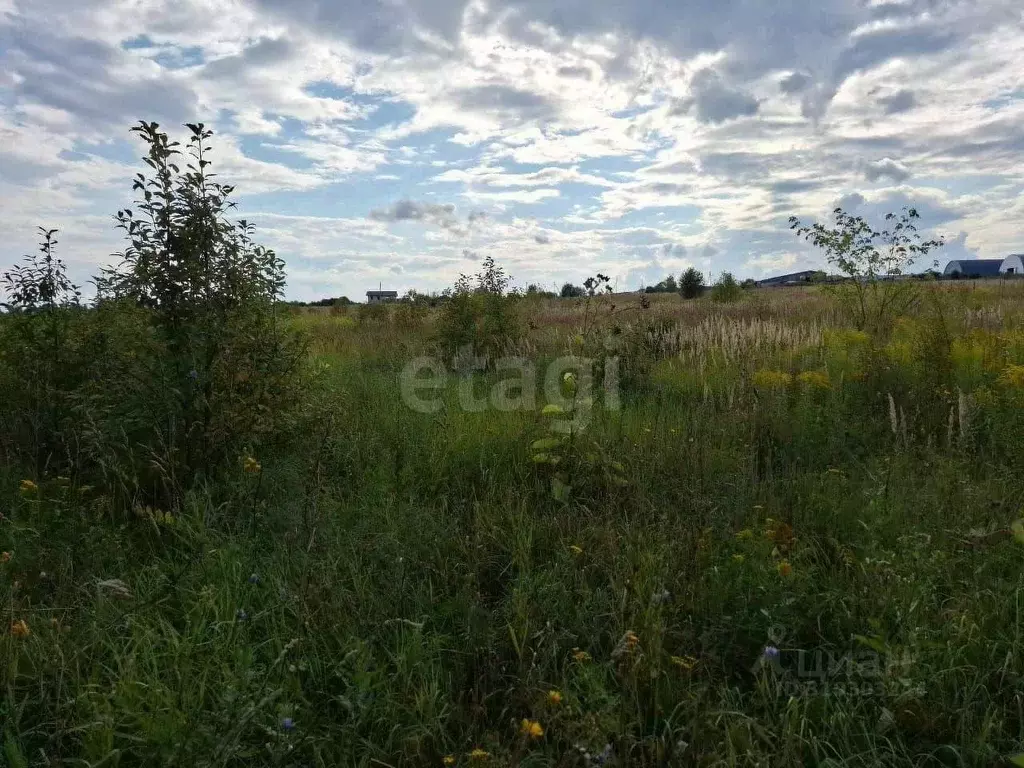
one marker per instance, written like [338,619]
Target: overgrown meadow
[787,532]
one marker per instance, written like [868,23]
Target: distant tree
[338,301]
[691,283]
[726,290]
[570,291]
[539,291]
[668,285]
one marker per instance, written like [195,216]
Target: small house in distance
[1012,265]
[376,297]
[792,279]
[973,268]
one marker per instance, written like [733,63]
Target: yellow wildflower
[449,759]
[704,542]
[765,379]
[632,641]
[20,629]
[251,466]
[555,697]
[1013,376]
[576,550]
[27,487]
[580,655]
[784,568]
[815,380]
[479,754]
[738,558]
[531,728]
[684,662]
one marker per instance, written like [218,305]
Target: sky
[397,143]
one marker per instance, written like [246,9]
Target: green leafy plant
[40,351]
[872,261]
[214,367]
[726,290]
[480,316]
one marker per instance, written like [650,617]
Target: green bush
[480,316]
[182,364]
[726,290]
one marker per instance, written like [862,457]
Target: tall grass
[396,588]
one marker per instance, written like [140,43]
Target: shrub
[182,363]
[40,359]
[871,260]
[480,316]
[726,290]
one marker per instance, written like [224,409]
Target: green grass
[394,587]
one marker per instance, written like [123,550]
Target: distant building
[973,268]
[792,279]
[1012,265]
[376,297]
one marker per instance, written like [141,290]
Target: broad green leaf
[551,409]
[560,491]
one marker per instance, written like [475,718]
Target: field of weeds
[774,527]
[789,543]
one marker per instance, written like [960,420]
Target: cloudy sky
[399,141]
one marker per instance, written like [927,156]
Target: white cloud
[581,126]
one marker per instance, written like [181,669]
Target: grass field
[793,543]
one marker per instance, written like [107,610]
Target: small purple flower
[254,578]
[193,374]
[771,653]
[288,724]
[241,615]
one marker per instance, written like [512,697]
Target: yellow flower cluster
[27,487]
[684,662]
[20,629]
[580,655]
[251,466]
[479,754]
[1013,376]
[815,380]
[531,729]
[846,337]
[765,379]
[555,697]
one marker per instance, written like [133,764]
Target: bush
[872,261]
[480,317]
[41,361]
[182,365]
[726,290]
